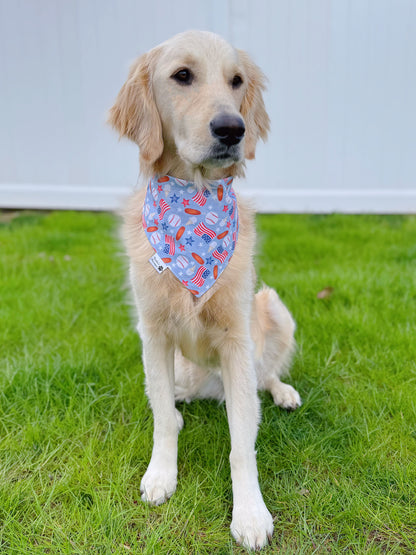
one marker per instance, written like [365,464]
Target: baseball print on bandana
[194,232]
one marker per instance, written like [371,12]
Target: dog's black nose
[228,129]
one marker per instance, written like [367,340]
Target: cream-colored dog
[194,106]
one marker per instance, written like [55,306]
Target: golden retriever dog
[195,108]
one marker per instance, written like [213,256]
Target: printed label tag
[157,263]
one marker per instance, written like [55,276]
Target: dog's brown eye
[183,77]
[236,82]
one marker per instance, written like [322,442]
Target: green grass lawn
[339,474]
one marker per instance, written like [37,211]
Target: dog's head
[193,102]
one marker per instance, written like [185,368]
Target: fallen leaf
[325,293]
[305,492]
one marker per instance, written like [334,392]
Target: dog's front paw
[286,396]
[158,484]
[252,525]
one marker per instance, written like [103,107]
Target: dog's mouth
[223,157]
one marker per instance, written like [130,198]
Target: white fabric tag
[157,263]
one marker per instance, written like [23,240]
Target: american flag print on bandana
[204,232]
[200,276]
[191,229]
[220,254]
[163,208]
[169,245]
[201,197]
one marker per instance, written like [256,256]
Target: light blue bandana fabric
[193,232]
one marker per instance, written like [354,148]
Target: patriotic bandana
[193,232]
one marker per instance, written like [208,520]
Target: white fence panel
[342,84]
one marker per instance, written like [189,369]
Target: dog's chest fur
[197,326]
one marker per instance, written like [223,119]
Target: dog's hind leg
[273,331]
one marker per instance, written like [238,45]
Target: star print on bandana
[193,232]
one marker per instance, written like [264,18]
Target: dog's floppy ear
[135,115]
[252,108]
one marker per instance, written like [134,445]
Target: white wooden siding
[341,95]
